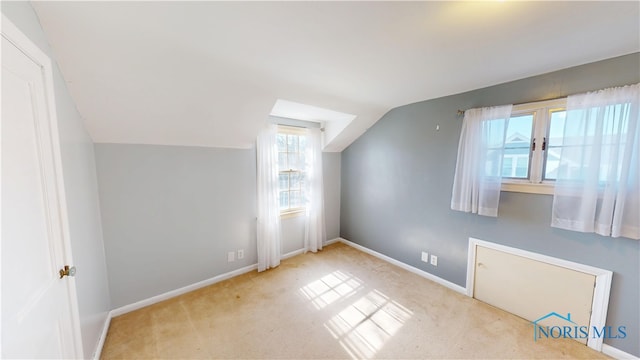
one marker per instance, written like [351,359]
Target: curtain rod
[461,112]
[297,123]
[300,126]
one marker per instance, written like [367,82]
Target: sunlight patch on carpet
[365,326]
[331,288]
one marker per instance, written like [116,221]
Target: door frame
[16,37]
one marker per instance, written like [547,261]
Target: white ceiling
[209,73]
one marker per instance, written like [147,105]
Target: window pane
[522,166]
[492,163]
[294,161]
[551,168]
[283,181]
[295,199]
[507,167]
[611,169]
[301,178]
[493,131]
[282,161]
[303,144]
[556,128]
[284,200]
[282,142]
[519,130]
[302,160]
[292,143]
[517,146]
[295,180]
[555,142]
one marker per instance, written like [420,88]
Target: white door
[39,309]
[531,288]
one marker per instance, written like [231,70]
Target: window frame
[536,184]
[296,131]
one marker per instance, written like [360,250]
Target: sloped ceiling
[209,73]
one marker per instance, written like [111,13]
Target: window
[292,144]
[577,140]
[532,146]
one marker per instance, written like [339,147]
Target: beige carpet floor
[337,304]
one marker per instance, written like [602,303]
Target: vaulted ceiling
[209,73]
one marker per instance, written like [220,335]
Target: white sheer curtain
[315,231]
[477,181]
[268,228]
[597,189]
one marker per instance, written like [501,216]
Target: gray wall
[172,213]
[397,180]
[331,176]
[81,191]
[292,230]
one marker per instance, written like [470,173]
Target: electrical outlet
[425,256]
[240,254]
[231,256]
[434,260]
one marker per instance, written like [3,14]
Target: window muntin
[292,144]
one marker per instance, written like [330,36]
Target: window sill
[526,187]
[292,213]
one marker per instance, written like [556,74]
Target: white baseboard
[424,274]
[301,251]
[103,337]
[616,353]
[170,294]
[332,241]
[292,254]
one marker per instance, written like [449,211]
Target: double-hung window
[532,145]
[292,144]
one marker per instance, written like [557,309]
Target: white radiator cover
[532,285]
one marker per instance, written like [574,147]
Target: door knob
[67,271]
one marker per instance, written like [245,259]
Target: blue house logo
[574,331]
[537,329]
